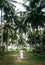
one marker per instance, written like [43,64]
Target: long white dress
[21,54]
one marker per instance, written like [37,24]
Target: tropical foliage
[15,25]
[34,14]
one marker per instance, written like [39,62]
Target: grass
[29,59]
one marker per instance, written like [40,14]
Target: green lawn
[29,59]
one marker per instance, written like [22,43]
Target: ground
[29,59]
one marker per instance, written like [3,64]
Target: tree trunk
[35,40]
[31,45]
[7,41]
[35,36]
[1,29]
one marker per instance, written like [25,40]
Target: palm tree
[9,11]
[34,14]
[7,30]
[20,24]
[21,28]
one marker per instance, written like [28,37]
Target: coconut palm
[20,24]
[21,28]
[9,10]
[34,14]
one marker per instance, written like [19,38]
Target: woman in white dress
[21,54]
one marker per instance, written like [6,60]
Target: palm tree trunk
[31,45]
[35,40]
[35,36]
[1,29]
[7,42]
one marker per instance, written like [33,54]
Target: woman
[21,54]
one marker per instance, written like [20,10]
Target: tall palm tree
[21,27]
[8,9]
[7,30]
[34,14]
